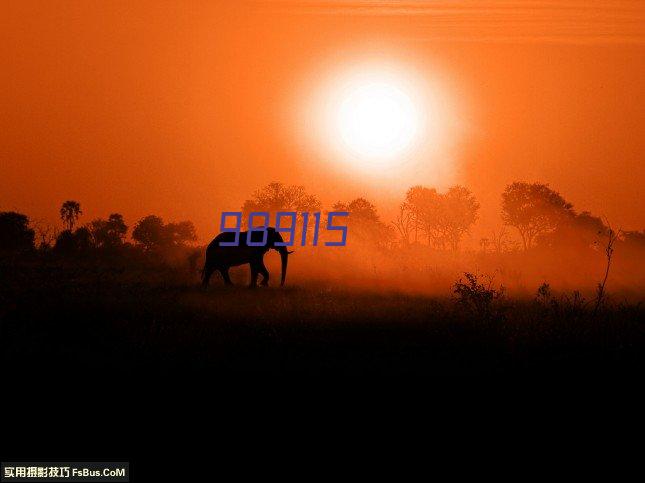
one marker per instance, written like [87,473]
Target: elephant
[221,258]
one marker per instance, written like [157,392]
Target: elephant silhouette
[221,258]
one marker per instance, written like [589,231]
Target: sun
[375,115]
[380,120]
[377,119]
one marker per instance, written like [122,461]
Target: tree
[15,234]
[149,232]
[110,232]
[577,231]
[501,241]
[364,223]
[45,233]
[459,214]
[417,200]
[612,236]
[443,217]
[533,209]
[276,197]
[178,234]
[404,223]
[70,212]
[73,242]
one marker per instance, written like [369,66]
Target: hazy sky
[182,109]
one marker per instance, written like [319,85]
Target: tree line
[538,214]
[149,233]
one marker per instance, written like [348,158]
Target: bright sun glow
[387,121]
[377,120]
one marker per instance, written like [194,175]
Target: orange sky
[182,109]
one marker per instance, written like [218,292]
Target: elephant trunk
[284,256]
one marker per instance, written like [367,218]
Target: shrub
[478,299]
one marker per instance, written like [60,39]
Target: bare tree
[46,233]
[415,199]
[404,223]
[500,240]
[612,236]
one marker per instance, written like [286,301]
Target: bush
[478,299]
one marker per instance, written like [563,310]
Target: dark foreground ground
[96,319]
[102,361]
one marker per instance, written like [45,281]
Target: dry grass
[96,316]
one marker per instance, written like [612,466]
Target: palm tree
[69,213]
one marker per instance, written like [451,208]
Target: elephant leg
[225,276]
[265,274]
[254,276]
[206,276]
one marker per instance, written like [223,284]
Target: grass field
[102,318]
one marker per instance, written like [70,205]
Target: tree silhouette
[580,231]
[73,242]
[416,199]
[460,213]
[151,232]
[15,234]
[364,223]
[501,241]
[533,209]
[45,233]
[276,197]
[69,213]
[178,234]
[404,223]
[443,217]
[612,237]
[110,232]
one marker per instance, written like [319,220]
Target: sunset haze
[184,109]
